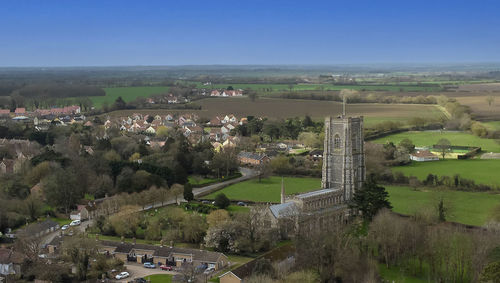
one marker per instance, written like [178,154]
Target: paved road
[246,175]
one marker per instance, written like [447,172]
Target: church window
[336,141]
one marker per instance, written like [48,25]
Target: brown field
[480,108]
[488,87]
[275,108]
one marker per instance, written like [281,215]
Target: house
[4,112]
[20,111]
[10,262]
[163,255]
[38,229]
[237,275]
[81,213]
[215,93]
[150,130]
[423,155]
[215,122]
[252,158]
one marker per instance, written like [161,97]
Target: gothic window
[336,141]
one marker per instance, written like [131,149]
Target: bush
[221,201]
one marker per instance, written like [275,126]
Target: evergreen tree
[188,192]
[370,199]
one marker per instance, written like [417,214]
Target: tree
[217,217]
[120,103]
[370,199]
[62,189]
[407,144]
[222,201]
[265,170]
[176,190]
[253,96]
[443,146]
[188,192]
[490,99]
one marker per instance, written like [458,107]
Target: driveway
[138,271]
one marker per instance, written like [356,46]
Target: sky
[183,32]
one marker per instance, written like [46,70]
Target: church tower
[344,155]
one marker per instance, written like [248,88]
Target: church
[343,174]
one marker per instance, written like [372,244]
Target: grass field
[465,207]
[268,190]
[493,125]
[159,278]
[127,93]
[479,106]
[429,138]
[482,171]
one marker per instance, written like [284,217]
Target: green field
[298,87]
[493,125]
[159,278]
[429,138]
[482,171]
[268,190]
[127,93]
[465,207]
[395,275]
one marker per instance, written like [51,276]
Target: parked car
[75,223]
[209,270]
[140,280]
[64,227]
[166,267]
[149,265]
[205,202]
[240,203]
[122,275]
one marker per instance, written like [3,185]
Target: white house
[423,155]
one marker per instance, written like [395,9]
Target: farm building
[423,155]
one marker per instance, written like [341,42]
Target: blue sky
[182,32]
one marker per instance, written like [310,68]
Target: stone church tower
[344,155]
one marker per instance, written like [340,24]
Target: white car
[75,223]
[122,275]
[65,227]
[209,270]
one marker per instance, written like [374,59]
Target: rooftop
[284,209]
[315,193]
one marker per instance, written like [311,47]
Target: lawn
[482,171]
[465,207]
[159,278]
[268,190]
[429,138]
[127,93]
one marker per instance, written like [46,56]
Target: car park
[122,275]
[149,265]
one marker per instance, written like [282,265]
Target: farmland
[127,93]
[269,189]
[482,171]
[493,125]
[300,87]
[465,207]
[480,107]
[429,138]
[276,108]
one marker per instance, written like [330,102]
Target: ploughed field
[277,108]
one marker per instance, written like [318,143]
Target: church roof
[284,209]
[315,193]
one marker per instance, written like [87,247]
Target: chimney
[134,240]
[282,191]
